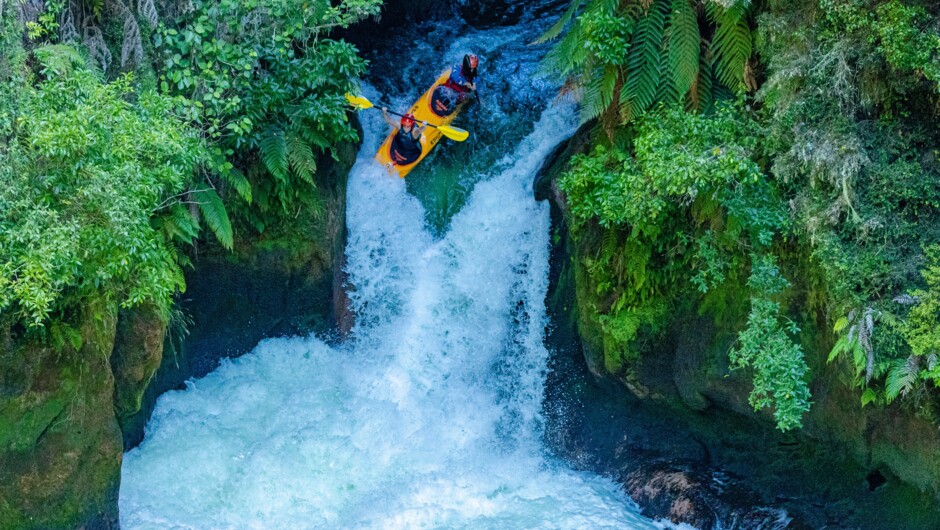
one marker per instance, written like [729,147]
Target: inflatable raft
[422,110]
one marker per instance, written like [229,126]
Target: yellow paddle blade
[359,102]
[453,132]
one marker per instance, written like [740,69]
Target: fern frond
[700,94]
[732,44]
[553,32]
[236,179]
[178,224]
[644,64]
[213,210]
[301,157]
[567,56]
[684,46]
[599,93]
[273,148]
[902,377]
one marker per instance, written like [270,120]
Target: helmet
[408,119]
[469,67]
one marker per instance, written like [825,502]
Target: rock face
[677,431]
[60,446]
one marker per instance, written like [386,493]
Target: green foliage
[780,371]
[267,87]
[47,23]
[850,109]
[907,36]
[687,210]
[921,330]
[624,57]
[87,169]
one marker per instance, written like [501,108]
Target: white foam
[429,417]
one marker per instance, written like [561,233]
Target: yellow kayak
[431,136]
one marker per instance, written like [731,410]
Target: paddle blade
[453,133]
[359,102]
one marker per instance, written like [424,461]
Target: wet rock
[683,494]
[489,13]
[138,350]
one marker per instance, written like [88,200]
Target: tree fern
[599,93]
[684,47]
[213,210]
[644,63]
[236,179]
[273,148]
[732,43]
[700,93]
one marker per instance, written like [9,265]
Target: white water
[430,417]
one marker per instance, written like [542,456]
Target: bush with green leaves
[267,87]
[87,172]
[686,212]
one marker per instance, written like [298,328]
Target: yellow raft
[431,136]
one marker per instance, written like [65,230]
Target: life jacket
[457,79]
[404,148]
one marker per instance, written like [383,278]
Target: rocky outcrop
[60,446]
[677,431]
[137,353]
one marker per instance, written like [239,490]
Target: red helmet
[408,119]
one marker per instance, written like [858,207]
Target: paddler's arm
[388,119]
[419,130]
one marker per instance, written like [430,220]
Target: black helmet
[469,67]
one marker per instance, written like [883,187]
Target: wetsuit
[404,148]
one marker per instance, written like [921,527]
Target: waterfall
[429,416]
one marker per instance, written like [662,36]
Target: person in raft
[406,146]
[458,87]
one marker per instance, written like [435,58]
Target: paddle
[454,133]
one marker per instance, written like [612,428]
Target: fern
[553,32]
[599,94]
[684,47]
[903,376]
[179,225]
[273,148]
[644,64]
[700,93]
[732,44]
[213,210]
[301,157]
[236,179]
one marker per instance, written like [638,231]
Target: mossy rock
[138,350]
[60,446]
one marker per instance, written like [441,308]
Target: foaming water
[428,417]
